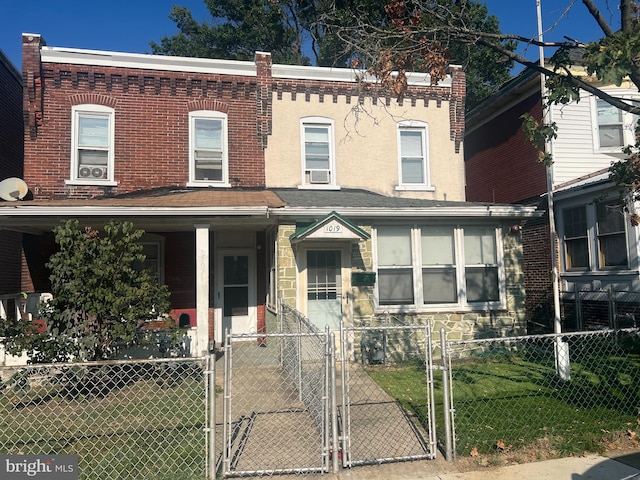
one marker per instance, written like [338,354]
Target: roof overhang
[332,227]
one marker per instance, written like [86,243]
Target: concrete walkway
[589,467]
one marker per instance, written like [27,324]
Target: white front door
[324,288]
[235,292]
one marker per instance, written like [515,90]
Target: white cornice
[148,62]
[100,58]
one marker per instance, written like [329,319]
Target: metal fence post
[335,445]
[211,463]
[445,395]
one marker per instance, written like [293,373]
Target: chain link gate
[375,426]
[276,403]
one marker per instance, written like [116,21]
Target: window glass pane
[613,251]
[612,242]
[412,171]
[479,246]
[610,217]
[609,125]
[236,269]
[411,143]
[575,222]
[439,285]
[608,114]
[437,246]
[611,136]
[93,157]
[394,246]
[395,286]
[208,134]
[482,284]
[93,131]
[577,253]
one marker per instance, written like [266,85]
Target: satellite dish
[12,189]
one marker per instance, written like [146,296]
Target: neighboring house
[597,245]
[11,155]
[257,182]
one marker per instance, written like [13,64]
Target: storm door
[324,288]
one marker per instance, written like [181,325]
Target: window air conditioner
[319,176]
[93,172]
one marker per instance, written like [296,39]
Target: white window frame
[208,115]
[593,239]
[627,124]
[307,182]
[423,128]
[417,267]
[95,111]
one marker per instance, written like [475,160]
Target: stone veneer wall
[458,325]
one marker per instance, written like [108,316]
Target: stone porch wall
[459,325]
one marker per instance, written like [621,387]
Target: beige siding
[365,145]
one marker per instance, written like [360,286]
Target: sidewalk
[590,467]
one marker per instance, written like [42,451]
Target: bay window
[422,267]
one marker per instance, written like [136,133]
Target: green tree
[329,33]
[427,34]
[101,294]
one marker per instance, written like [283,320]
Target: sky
[129,25]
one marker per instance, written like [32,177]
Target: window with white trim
[92,149]
[208,155]
[600,225]
[615,128]
[413,152]
[426,267]
[318,157]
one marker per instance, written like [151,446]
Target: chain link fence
[566,391]
[386,385]
[124,420]
[276,404]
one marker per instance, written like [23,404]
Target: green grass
[509,399]
[150,428]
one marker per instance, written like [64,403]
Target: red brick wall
[501,165]
[151,124]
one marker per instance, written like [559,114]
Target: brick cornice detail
[93,99]
[208,104]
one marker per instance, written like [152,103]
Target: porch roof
[179,208]
[168,209]
[353,203]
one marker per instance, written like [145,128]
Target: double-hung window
[318,157]
[594,236]
[612,236]
[576,241]
[395,266]
[425,267]
[208,155]
[413,142]
[439,276]
[481,265]
[615,127]
[92,150]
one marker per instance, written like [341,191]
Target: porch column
[202,289]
